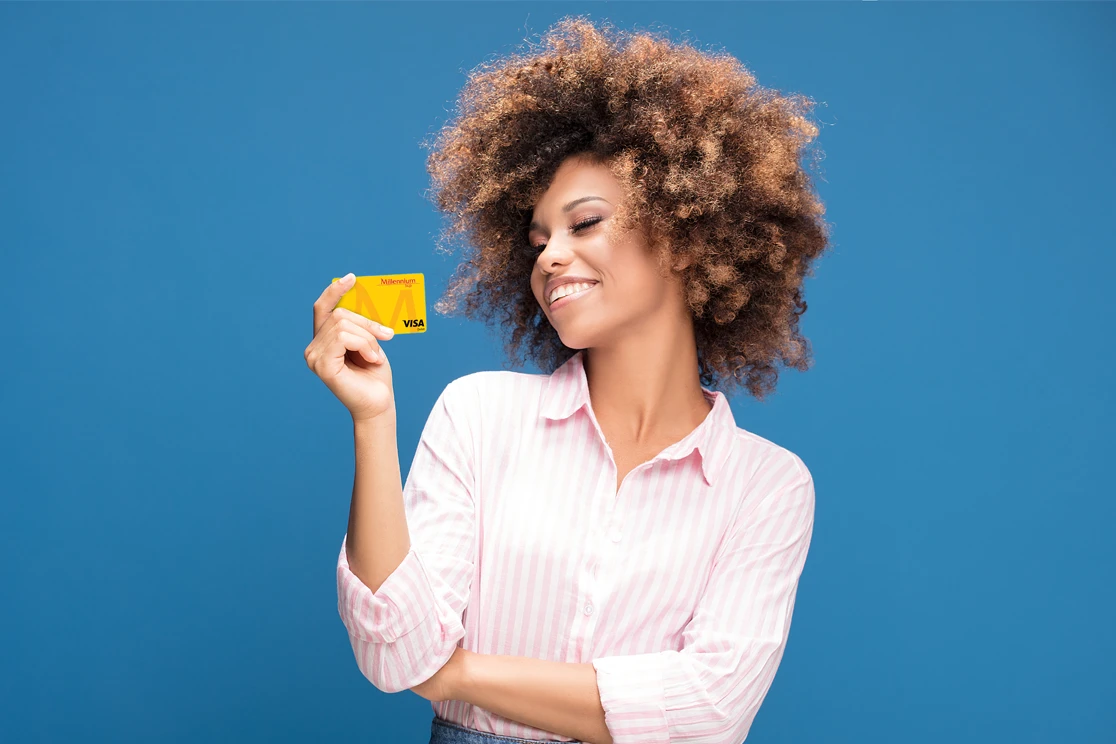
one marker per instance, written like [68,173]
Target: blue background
[181,181]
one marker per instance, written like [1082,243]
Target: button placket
[603,530]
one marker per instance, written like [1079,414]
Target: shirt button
[615,534]
[588,609]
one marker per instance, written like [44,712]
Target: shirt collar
[567,391]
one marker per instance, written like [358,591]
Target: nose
[556,252]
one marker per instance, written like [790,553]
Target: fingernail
[347,277]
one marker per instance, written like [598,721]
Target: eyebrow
[536,226]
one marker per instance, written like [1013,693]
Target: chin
[570,339]
[576,339]
[579,332]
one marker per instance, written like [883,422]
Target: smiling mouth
[567,299]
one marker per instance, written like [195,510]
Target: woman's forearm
[559,697]
[377,540]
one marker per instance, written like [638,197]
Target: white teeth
[568,289]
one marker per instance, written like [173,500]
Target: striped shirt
[678,587]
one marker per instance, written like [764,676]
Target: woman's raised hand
[345,353]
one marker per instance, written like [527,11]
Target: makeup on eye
[576,228]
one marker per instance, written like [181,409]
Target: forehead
[574,178]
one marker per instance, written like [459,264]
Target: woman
[599,553]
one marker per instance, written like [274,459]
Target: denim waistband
[448,732]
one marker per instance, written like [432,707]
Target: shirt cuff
[633,698]
[404,600]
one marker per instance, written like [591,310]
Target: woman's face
[628,295]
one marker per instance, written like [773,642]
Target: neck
[647,393]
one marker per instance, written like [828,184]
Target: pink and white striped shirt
[678,587]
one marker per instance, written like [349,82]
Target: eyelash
[576,228]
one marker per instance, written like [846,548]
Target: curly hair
[707,161]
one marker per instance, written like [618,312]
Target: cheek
[650,292]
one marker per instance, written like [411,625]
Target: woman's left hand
[445,683]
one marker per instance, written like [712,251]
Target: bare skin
[638,336]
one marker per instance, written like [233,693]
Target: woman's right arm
[377,540]
[401,602]
[405,569]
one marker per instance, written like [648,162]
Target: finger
[378,329]
[329,298]
[355,325]
[352,340]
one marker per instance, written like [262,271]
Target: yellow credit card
[395,300]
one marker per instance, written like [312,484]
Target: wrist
[461,661]
[385,420]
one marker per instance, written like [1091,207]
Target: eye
[575,228]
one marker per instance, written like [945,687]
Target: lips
[558,281]
[563,301]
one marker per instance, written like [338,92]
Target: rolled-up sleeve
[407,630]
[710,691]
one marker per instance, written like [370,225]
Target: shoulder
[754,446]
[767,469]
[490,391]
